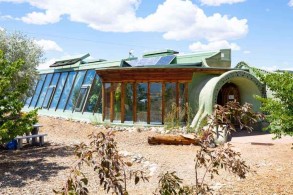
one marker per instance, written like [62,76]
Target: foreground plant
[209,162]
[225,118]
[102,155]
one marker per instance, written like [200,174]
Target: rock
[152,168]
[124,153]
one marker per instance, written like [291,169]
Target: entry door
[229,92]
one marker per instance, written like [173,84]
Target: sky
[259,32]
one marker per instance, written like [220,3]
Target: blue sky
[259,32]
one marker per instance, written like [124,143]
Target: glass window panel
[75,90]
[142,103]
[117,101]
[44,90]
[156,102]
[94,101]
[128,102]
[107,101]
[80,99]
[182,102]
[48,97]
[55,79]
[29,99]
[38,90]
[170,97]
[90,75]
[66,90]
[58,91]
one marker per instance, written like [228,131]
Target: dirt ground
[38,170]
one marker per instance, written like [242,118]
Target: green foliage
[12,121]
[102,155]
[279,110]
[171,184]
[16,46]
[174,119]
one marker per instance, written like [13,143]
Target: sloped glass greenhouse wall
[75,91]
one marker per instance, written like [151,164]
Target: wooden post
[134,101]
[103,101]
[122,102]
[149,103]
[163,101]
[186,100]
[177,98]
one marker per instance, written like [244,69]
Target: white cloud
[48,45]
[290,3]
[2,29]
[41,18]
[219,2]
[246,52]
[176,19]
[217,45]
[46,64]
[6,17]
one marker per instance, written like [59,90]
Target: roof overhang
[156,74]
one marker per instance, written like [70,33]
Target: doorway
[229,92]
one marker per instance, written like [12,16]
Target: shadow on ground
[244,133]
[19,167]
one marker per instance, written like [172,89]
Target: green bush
[278,110]
[12,121]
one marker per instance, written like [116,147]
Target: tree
[17,46]
[12,121]
[279,109]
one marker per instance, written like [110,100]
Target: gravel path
[38,170]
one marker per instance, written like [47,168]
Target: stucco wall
[203,95]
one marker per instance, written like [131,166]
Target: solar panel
[165,60]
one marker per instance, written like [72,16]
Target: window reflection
[75,90]
[128,104]
[142,103]
[107,101]
[94,101]
[59,89]
[38,90]
[156,103]
[117,101]
[66,90]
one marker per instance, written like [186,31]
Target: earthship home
[142,90]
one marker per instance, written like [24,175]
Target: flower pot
[221,135]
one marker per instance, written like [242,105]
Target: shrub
[12,121]
[102,155]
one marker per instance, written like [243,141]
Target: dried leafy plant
[209,162]
[102,155]
[227,116]
[212,160]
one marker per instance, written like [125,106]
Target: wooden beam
[163,101]
[149,103]
[122,102]
[134,101]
